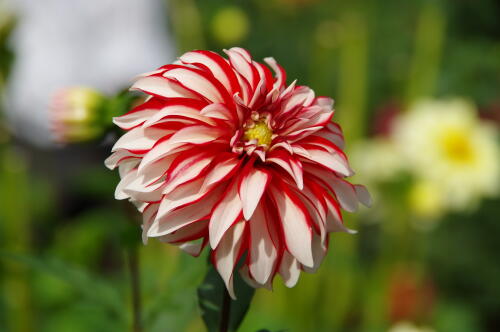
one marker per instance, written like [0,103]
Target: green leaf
[211,297]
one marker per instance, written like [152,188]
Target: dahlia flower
[225,154]
[74,114]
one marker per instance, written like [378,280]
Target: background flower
[444,142]
[75,114]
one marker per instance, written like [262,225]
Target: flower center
[259,131]
[457,147]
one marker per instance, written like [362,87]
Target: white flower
[444,142]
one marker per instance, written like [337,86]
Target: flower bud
[76,113]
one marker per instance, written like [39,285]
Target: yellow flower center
[261,132]
[457,146]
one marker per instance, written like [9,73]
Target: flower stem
[133,265]
[226,312]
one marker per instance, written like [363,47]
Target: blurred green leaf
[90,287]
[211,300]
[172,307]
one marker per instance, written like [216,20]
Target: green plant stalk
[130,242]
[226,312]
[14,225]
[133,266]
[429,41]
[353,75]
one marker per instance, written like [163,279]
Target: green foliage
[94,294]
[213,300]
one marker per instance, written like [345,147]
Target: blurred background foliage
[63,238]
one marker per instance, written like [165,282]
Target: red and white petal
[188,194]
[291,165]
[179,218]
[193,248]
[333,135]
[363,195]
[316,208]
[218,111]
[301,97]
[178,111]
[247,277]
[148,216]
[157,171]
[198,81]
[127,165]
[227,254]
[217,65]
[120,157]
[186,170]
[161,87]
[246,55]
[296,227]
[319,253]
[289,270]
[333,161]
[133,119]
[346,194]
[139,190]
[334,221]
[240,60]
[188,135]
[262,253]
[225,214]
[138,139]
[279,71]
[253,184]
[191,232]
[125,181]
[224,168]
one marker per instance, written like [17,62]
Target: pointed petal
[289,270]
[227,254]
[363,195]
[225,214]
[291,165]
[162,87]
[191,135]
[296,228]
[216,64]
[138,139]
[252,186]
[332,161]
[186,170]
[262,253]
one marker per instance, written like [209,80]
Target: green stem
[133,265]
[226,312]
[429,41]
